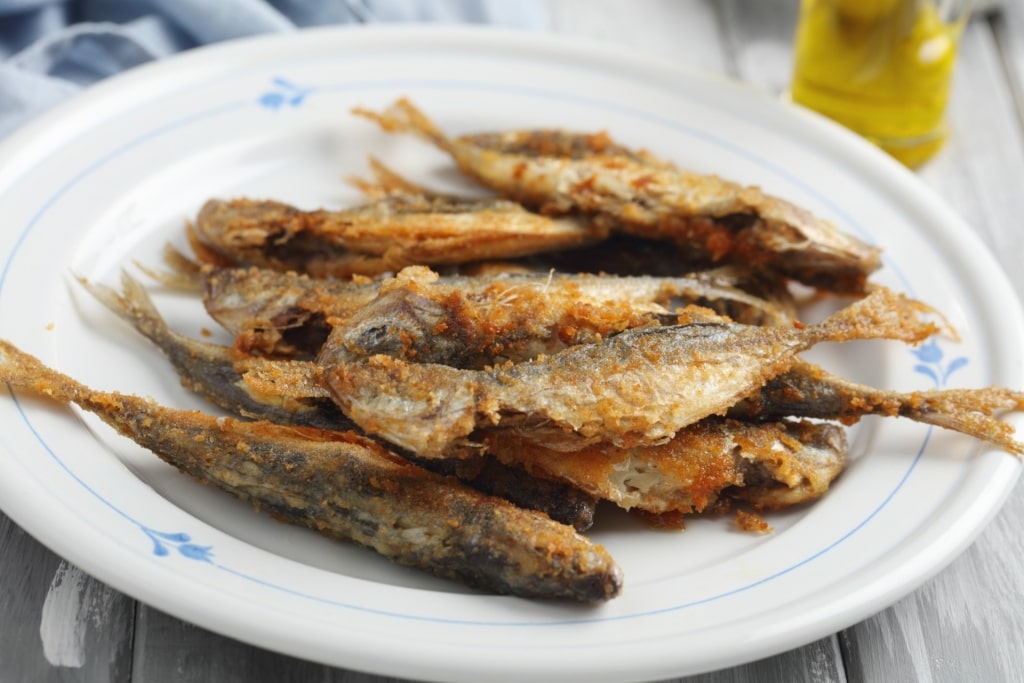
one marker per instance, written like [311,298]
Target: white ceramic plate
[113,175]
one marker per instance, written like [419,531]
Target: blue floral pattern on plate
[285,93]
[181,541]
[930,363]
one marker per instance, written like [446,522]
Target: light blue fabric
[52,49]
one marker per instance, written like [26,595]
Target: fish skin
[559,172]
[770,465]
[480,321]
[280,313]
[384,235]
[348,487]
[288,393]
[809,391]
[216,373]
[290,314]
[637,387]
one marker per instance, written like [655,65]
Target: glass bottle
[882,68]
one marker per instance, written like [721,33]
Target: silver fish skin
[480,321]
[809,391]
[350,488]
[385,235]
[276,313]
[288,392]
[216,373]
[280,313]
[637,387]
[558,172]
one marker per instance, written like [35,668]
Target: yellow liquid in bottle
[880,67]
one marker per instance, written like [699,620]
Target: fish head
[400,323]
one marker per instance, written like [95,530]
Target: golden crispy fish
[637,387]
[216,372]
[350,488]
[770,465]
[809,391]
[559,172]
[479,321]
[508,314]
[384,235]
[286,392]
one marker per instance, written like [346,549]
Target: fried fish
[286,392]
[384,235]
[771,465]
[637,387]
[350,488]
[559,173]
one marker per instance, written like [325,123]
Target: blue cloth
[52,49]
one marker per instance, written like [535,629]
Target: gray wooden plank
[818,662]
[56,622]
[168,650]
[1008,24]
[979,171]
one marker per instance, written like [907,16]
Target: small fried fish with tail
[638,387]
[399,226]
[560,173]
[348,487]
[286,392]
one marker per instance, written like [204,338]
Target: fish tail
[882,314]
[132,305]
[185,274]
[969,411]
[386,182]
[404,117]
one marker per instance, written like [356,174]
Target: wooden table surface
[59,624]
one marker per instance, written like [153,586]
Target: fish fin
[132,304]
[387,182]
[882,314]
[404,117]
[970,411]
[185,274]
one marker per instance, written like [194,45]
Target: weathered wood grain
[1008,25]
[168,649]
[57,623]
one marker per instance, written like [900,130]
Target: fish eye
[374,336]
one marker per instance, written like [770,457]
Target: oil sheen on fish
[637,387]
[348,487]
[559,172]
[389,233]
